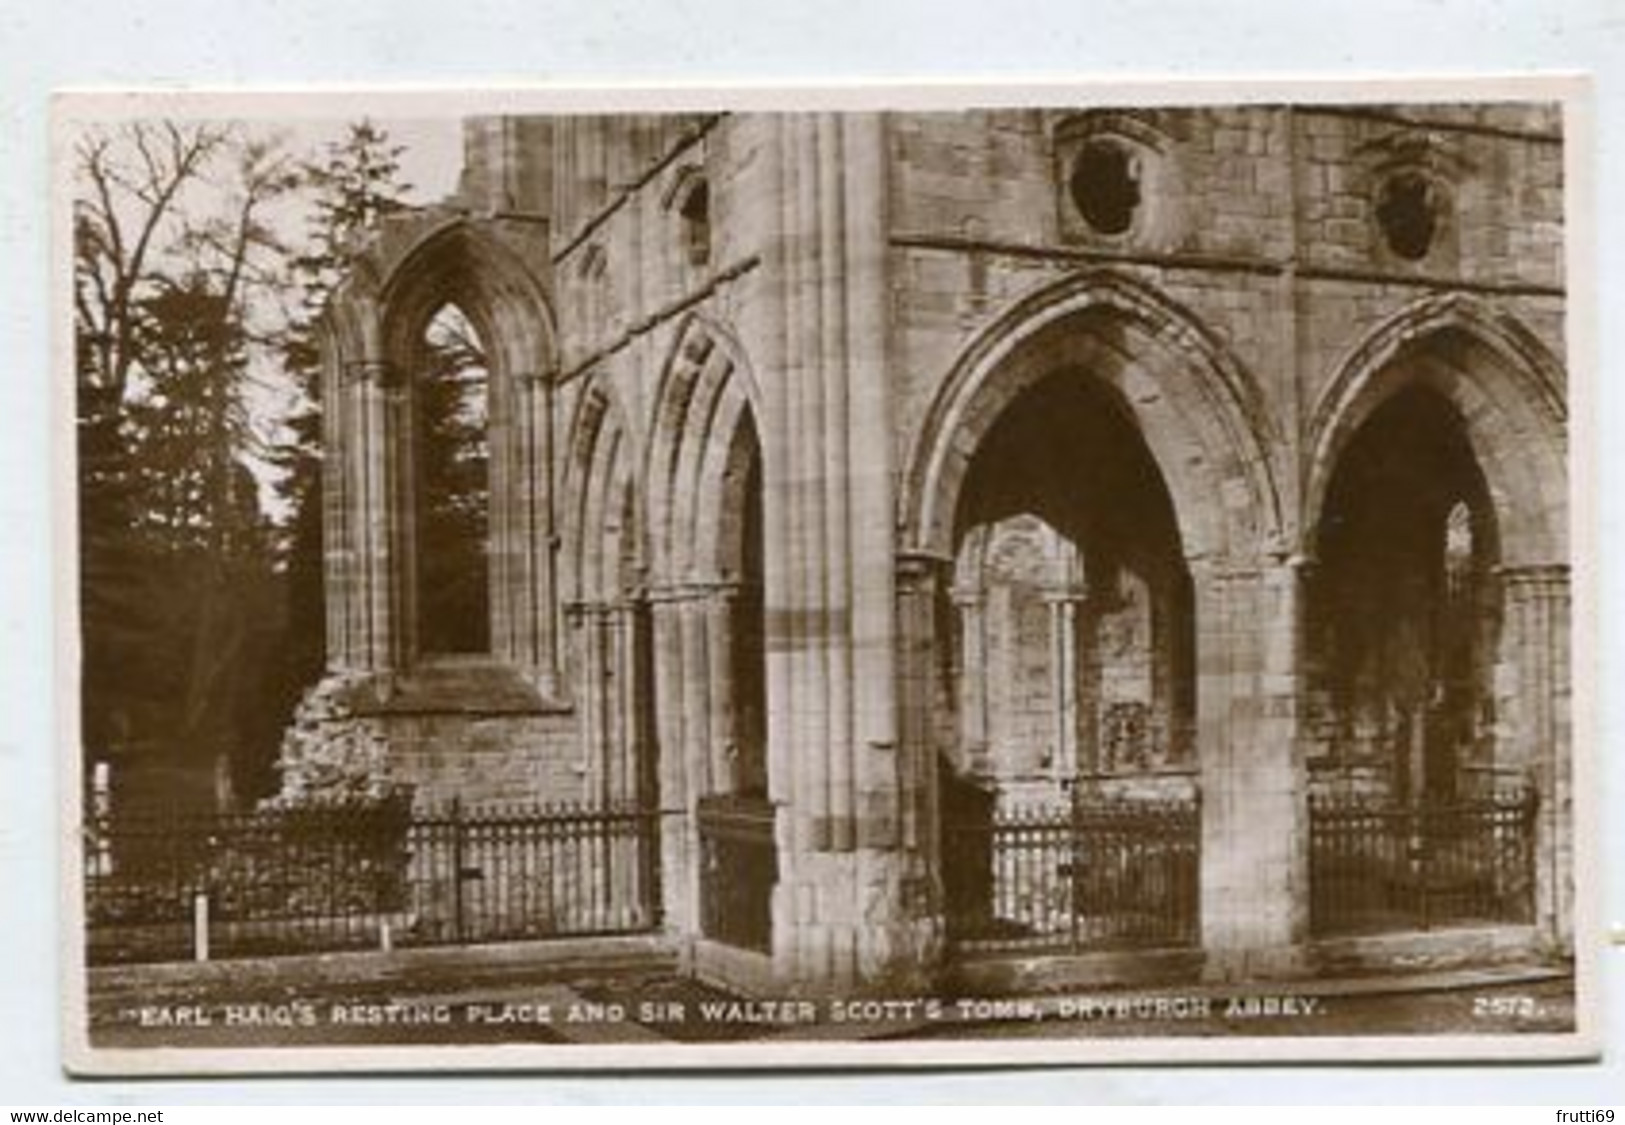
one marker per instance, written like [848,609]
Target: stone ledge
[1428,950]
[473,686]
[742,971]
[535,959]
[1021,974]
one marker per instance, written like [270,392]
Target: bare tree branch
[115,261]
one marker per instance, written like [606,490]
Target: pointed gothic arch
[605,610]
[704,392]
[600,471]
[1199,410]
[703,471]
[417,267]
[1507,388]
[1469,699]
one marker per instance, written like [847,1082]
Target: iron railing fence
[340,877]
[1094,874]
[739,864]
[1376,865]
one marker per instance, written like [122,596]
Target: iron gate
[1092,874]
[1376,865]
[739,865]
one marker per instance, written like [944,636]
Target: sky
[431,161]
[433,155]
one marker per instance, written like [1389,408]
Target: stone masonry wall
[1265,231]
[839,274]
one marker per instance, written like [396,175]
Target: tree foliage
[195,310]
[452,467]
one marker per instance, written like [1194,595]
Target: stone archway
[1194,415]
[606,609]
[706,557]
[1073,599]
[1507,389]
[1467,403]
[1198,410]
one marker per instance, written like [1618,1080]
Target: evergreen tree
[355,185]
[452,477]
[171,251]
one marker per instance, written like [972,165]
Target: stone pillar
[583,617]
[840,912]
[1254,807]
[970,605]
[723,753]
[1063,610]
[1285,704]
[679,837]
[537,645]
[337,554]
[698,722]
[919,579]
[602,699]
[625,784]
[380,503]
[1533,695]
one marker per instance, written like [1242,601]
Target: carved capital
[579,611]
[720,589]
[1535,580]
[375,372]
[920,571]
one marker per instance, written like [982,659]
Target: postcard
[665,578]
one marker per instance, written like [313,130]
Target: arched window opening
[451,474]
[1403,617]
[1076,630]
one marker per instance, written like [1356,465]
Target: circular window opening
[1408,213]
[1105,186]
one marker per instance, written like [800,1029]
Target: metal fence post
[457,867]
[1075,856]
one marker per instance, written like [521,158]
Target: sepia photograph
[665,580]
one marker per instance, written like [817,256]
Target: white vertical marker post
[200,926]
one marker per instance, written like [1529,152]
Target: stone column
[1063,610]
[380,501]
[724,750]
[885,785]
[597,742]
[679,838]
[1254,809]
[698,725]
[1285,704]
[920,577]
[969,605]
[1534,697]
[841,917]
[626,660]
[537,645]
[337,555]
